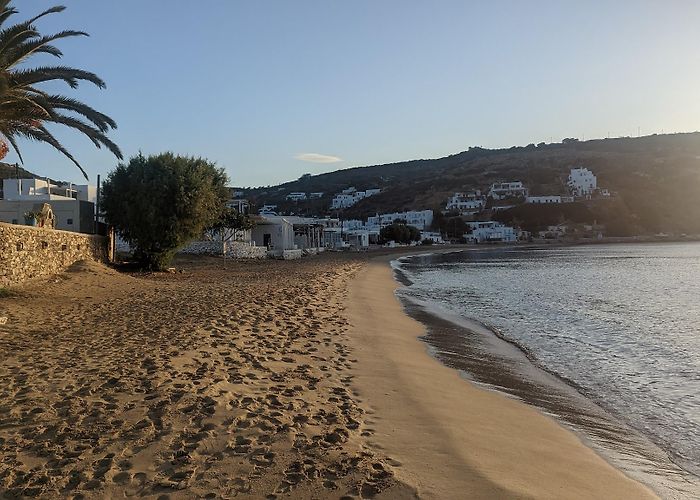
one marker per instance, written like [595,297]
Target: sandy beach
[263,379]
[455,440]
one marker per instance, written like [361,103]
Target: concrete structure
[489,232]
[502,190]
[72,205]
[268,210]
[582,182]
[70,214]
[500,208]
[42,190]
[357,239]
[466,203]
[274,233]
[240,205]
[333,238]
[353,224]
[316,195]
[342,201]
[432,236]
[296,196]
[540,200]
[283,236]
[350,196]
[29,252]
[420,219]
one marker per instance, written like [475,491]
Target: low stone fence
[29,252]
[234,249]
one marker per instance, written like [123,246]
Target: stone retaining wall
[234,249]
[29,252]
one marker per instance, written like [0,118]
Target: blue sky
[259,86]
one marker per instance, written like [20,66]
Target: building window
[69,222]
[64,247]
[44,245]
[20,246]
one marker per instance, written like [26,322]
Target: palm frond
[25,108]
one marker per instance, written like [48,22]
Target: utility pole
[97,203]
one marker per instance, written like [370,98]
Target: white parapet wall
[28,252]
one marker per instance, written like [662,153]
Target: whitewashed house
[342,201]
[582,182]
[353,224]
[296,196]
[466,203]
[350,196]
[435,237]
[490,231]
[73,206]
[502,190]
[420,219]
[268,210]
[543,200]
[274,233]
[357,238]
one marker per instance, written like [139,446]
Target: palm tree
[25,109]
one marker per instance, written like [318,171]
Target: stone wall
[234,249]
[29,252]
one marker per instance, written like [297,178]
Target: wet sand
[455,440]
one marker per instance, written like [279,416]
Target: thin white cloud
[318,158]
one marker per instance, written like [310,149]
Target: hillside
[656,180]
[8,171]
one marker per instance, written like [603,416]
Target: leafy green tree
[25,108]
[229,223]
[160,203]
[400,233]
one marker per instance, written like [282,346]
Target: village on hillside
[471,217]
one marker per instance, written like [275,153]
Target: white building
[582,182]
[343,201]
[296,196]
[420,219]
[502,190]
[73,206]
[268,210]
[353,224]
[316,195]
[490,231]
[42,190]
[432,236]
[543,200]
[357,238]
[350,196]
[466,203]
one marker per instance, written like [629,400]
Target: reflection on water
[619,323]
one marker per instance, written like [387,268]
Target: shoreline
[450,435]
[461,343]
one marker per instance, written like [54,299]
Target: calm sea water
[620,323]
